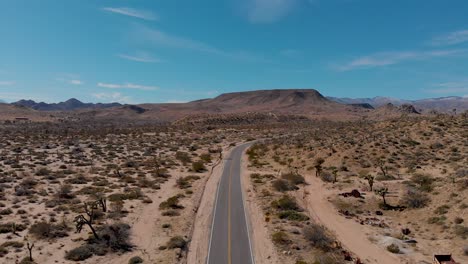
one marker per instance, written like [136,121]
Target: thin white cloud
[268,11]
[163,39]
[76,82]
[139,58]
[113,97]
[7,83]
[451,38]
[127,86]
[390,58]
[132,12]
[450,88]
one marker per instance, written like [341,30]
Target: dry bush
[47,230]
[415,199]
[177,242]
[318,236]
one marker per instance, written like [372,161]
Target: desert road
[230,239]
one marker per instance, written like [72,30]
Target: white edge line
[245,214]
[214,213]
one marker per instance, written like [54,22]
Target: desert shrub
[328,258]
[176,242]
[171,213]
[78,179]
[465,251]
[116,236]
[458,220]
[135,260]
[46,230]
[280,238]
[26,260]
[293,216]
[423,181]
[285,203]
[393,248]
[318,236]
[198,166]
[3,252]
[281,185]
[171,203]
[43,172]
[183,157]
[80,253]
[23,191]
[185,182]
[443,209]
[326,177]
[437,220]
[11,227]
[205,157]
[415,199]
[6,211]
[65,192]
[461,231]
[293,178]
[14,244]
[28,182]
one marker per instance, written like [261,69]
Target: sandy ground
[262,245]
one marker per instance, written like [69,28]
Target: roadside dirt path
[351,234]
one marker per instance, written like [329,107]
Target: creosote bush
[318,236]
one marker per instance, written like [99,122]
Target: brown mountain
[307,102]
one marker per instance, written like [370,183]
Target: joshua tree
[382,166]
[335,174]
[318,166]
[30,247]
[81,220]
[382,192]
[100,201]
[370,180]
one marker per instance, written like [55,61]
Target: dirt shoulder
[263,249]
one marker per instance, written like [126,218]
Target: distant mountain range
[442,104]
[69,105]
[275,104]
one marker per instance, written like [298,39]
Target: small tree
[335,174]
[81,220]
[382,192]
[370,181]
[318,166]
[383,167]
[30,247]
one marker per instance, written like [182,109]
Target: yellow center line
[229,214]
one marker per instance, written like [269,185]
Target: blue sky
[139,51]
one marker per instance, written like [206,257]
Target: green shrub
[80,253]
[171,203]
[293,216]
[293,178]
[135,260]
[281,185]
[285,203]
[393,248]
[177,242]
[280,238]
[198,166]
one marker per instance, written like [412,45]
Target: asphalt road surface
[230,240]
